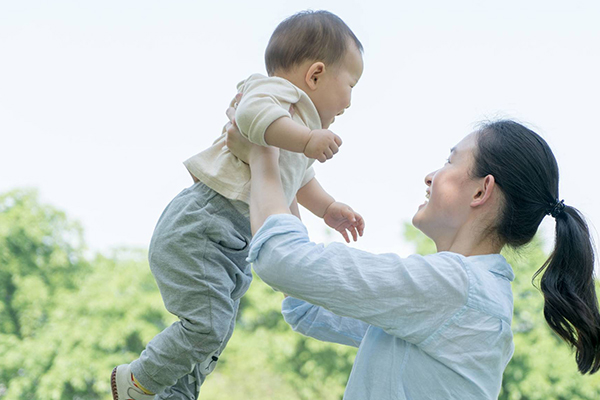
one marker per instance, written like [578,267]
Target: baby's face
[333,94]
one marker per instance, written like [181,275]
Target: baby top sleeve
[264,100]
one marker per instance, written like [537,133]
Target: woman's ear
[484,191]
[314,74]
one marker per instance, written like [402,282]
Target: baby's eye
[447,161]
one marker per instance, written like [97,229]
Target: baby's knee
[208,332]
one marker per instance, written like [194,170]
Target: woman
[436,326]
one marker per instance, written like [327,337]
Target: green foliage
[423,245]
[66,321]
[40,262]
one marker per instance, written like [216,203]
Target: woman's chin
[419,221]
[416,220]
[418,216]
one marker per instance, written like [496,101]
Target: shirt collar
[495,263]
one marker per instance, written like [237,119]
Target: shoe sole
[113,384]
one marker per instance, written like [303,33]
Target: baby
[199,247]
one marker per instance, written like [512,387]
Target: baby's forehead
[353,61]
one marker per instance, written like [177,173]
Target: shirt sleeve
[322,324]
[407,297]
[308,176]
[264,100]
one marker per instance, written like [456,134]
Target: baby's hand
[344,219]
[322,145]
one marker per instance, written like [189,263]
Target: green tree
[65,322]
[40,260]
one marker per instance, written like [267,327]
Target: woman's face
[450,191]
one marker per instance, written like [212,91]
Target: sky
[101,102]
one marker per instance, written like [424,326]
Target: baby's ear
[314,74]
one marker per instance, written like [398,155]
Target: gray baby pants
[198,257]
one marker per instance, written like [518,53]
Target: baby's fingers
[360,224]
[334,148]
[344,234]
[349,215]
[352,230]
[338,140]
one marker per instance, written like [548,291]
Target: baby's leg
[188,387]
[197,255]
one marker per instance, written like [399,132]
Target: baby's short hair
[308,35]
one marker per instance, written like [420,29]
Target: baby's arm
[264,116]
[338,216]
[285,133]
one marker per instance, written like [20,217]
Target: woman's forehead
[467,144]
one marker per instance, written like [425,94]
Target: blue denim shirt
[427,327]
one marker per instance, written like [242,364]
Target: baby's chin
[326,125]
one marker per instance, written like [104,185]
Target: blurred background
[101,102]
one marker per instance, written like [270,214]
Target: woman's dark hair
[526,171]
[308,35]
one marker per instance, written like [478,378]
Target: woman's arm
[266,197]
[407,297]
[322,324]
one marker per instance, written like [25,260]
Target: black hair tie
[557,208]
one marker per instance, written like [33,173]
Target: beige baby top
[264,100]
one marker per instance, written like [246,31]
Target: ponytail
[526,172]
[567,283]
